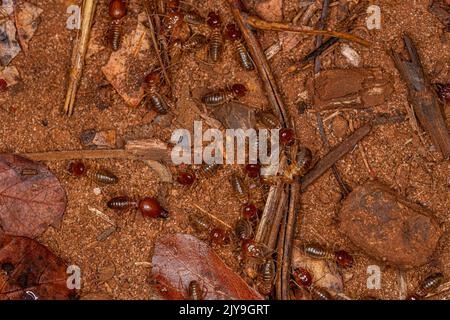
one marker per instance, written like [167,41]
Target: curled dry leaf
[31,197]
[181,258]
[29,271]
[324,274]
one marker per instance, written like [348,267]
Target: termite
[249,211]
[287,136]
[193,43]
[267,120]
[194,291]
[148,207]
[214,99]
[239,188]
[300,166]
[101,176]
[254,250]
[266,277]
[193,17]
[234,35]
[117,10]
[200,223]
[217,235]
[186,178]
[341,257]
[428,285]
[304,279]
[216,41]
[208,170]
[158,103]
[253,170]
[243,229]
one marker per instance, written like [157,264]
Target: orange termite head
[239,89]
[232,32]
[213,20]
[153,78]
[302,277]
[151,208]
[343,259]
[117,9]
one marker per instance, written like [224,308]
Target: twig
[263,67]
[277,104]
[155,42]
[422,97]
[334,155]
[291,224]
[79,54]
[344,188]
[279,26]
[212,216]
[321,26]
[135,150]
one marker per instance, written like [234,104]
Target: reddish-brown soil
[30,121]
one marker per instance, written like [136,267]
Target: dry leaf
[128,66]
[181,258]
[27,21]
[29,271]
[31,197]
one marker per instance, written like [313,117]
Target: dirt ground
[31,122]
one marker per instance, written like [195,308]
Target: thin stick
[291,224]
[212,216]
[134,150]
[321,26]
[334,155]
[155,42]
[79,54]
[262,65]
[345,190]
[279,26]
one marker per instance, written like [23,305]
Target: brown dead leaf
[181,258]
[27,21]
[29,271]
[235,115]
[31,197]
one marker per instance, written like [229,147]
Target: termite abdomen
[121,203]
[267,276]
[192,17]
[208,170]
[103,176]
[239,188]
[195,291]
[200,223]
[430,284]
[243,229]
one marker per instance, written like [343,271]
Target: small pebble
[97,191]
